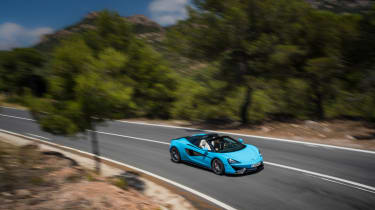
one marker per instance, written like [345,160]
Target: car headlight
[256,164]
[231,161]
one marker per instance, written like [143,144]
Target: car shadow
[228,175]
[247,173]
[196,166]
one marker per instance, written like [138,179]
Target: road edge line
[356,185]
[21,118]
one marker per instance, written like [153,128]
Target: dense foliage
[233,60]
[276,59]
[21,69]
[100,74]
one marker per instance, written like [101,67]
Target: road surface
[296,176]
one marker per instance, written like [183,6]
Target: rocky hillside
[342,5]
[144,27]
[153,33]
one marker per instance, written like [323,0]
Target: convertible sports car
[221,154]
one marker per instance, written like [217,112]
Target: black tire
[217,167]
[175,155]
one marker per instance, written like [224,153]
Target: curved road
[146,147]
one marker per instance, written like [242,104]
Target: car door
[198,155]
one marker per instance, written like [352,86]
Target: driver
[204,145]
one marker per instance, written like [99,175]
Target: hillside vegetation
[232,61]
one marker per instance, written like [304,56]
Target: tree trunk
[319,105]
[95,149]
[246,106]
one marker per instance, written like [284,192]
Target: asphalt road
[272,188]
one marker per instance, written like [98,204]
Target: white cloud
[167,12]
[13,35]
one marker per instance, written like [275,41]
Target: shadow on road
[228,175]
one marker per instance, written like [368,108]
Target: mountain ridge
[153,33]
[143,27]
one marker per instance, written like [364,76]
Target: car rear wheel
[217,167]
[175,155]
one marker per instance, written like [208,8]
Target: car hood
[249,154]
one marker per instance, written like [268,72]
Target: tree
[359,54]
[111,30]
[20,69]
[326,35]
[153,82]
[243,35]
[82,91]
[321,72]
[108,75]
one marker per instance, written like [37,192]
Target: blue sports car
[221,154]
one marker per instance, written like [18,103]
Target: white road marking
[230,133]
[8,107]
[329,180]
[255,137]
[188,189]
[131,137]
[22,118]
[30,134]
[338,180]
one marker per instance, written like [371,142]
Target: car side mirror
[240,140]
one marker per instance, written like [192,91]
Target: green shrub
[37,180]
[121,183]
[73,178]
[261,106]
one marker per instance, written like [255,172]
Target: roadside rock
[23,193]
[295,125]
[350,137]
[6,194]
[313,125]
[327,130]
[265,129]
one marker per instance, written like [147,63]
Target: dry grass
[33,179]
[19,167]
[6,101]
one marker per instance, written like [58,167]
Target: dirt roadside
[49,178]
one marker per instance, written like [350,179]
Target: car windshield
[226,144]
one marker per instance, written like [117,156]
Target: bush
[353,105]
[121,183]
[261,106]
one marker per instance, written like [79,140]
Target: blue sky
[23,22]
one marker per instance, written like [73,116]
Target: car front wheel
[217,167]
